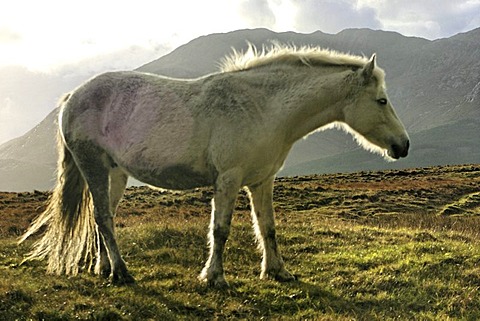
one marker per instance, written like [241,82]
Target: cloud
[332,16]
[257,13]
[430,19]
[127,58]
[7,36]
[6,119]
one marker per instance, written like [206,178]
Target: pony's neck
[316,100]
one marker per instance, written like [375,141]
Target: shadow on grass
[242,300]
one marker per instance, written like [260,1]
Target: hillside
[434,86]
[29,161]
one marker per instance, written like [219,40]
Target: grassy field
[395,245]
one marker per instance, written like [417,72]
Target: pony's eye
[382,101]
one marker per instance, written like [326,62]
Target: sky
[46,34]
[73,38]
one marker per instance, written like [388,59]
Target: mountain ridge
[432,84]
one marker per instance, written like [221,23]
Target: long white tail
[69,238]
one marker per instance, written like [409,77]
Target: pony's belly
[176,177]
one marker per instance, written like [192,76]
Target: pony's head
[369,115]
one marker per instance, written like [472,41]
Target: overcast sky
[81,38]
[45,34]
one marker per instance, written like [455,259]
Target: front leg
[226,190]
[261,197]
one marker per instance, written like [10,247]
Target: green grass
[346,271]
[365,246]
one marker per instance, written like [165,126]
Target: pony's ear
[367,70]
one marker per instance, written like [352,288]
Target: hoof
[218,282]
[122,278]
[103,268]
[104,273]
[280,276]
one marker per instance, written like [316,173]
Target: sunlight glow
[42,34]
[55,32]
[285,15]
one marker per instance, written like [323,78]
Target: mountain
[29,161]
[434,86]
[24,90]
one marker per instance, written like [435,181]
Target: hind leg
[118,183]
[96,167]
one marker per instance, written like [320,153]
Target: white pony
[228,130]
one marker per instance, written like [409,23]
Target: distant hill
[25,90]
[29,161]
[434,86]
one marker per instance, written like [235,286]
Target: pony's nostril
[400,151]
[395,151]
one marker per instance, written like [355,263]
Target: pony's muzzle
[399,150]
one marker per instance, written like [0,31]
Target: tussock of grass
[467,204]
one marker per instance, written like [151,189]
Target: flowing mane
[284,54]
